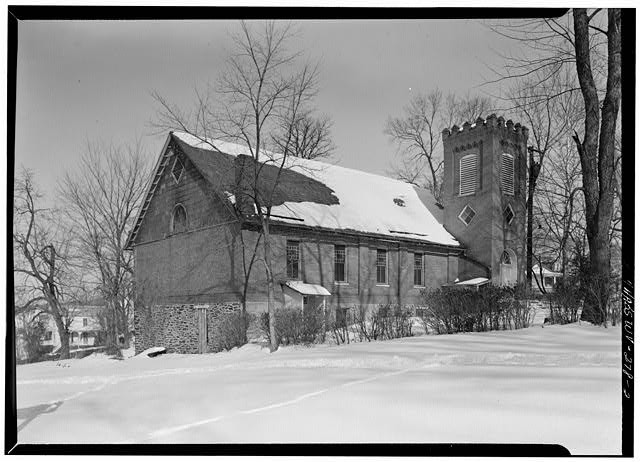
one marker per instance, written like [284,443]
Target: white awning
[307,289]
[473,282]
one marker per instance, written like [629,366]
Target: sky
[91,81]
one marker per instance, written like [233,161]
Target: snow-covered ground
[536,385]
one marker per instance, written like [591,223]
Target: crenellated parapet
[510,131]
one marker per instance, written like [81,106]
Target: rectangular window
[340,263]
[48,335]
[507,174]
[381,266]
[84,322]
[417,270]
[293,259]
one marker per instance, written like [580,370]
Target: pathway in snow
[521,386]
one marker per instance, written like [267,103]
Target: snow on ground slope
[536,385]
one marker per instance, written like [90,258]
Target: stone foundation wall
[176,327]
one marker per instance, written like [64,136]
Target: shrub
[565,301]
[450,310]
[231,330]
[32,333]
[294,326]
[360,324]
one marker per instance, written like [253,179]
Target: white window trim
[173,214]
[346,266]
[513,173]
[299,260]
[475,179]
[462,211]
[513,214]
[386,270]
[173,167]
[421,286]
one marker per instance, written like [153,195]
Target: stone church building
[340,237]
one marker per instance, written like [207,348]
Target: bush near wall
[450,310]
[294,326]
[359,324]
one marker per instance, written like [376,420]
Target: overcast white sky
[91,80]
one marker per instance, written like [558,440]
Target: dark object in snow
[156,352]
[398,202]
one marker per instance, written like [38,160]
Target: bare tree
[551,115]
[101,202]
[307,137]
[588,43]
[262,101]
[417,135]
[597,150]
[42,254]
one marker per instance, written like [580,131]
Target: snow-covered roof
[307,289]
[358,201]
[473,282]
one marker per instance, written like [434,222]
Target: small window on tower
[507,174]
[508,214]
[468,175]
[178,168]
[467,215]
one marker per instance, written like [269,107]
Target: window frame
[345,280]
[172,227]
[422,275]
[462,211]
[513,174]
[386,267]
[290,243]
[475,175]
[173,167]
[513,214]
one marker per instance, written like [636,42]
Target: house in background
[85,329]
[547,279]
[340,237]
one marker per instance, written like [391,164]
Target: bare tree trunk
[62,333]
[273,338]
[597,155]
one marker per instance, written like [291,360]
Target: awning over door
[307,289]
[473,282]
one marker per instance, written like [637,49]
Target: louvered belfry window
[507,174]
[468,170]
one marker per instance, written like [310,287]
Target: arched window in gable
[179,219]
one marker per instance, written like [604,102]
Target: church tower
[485,194]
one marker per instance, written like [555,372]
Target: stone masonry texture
[176,327]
